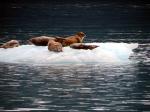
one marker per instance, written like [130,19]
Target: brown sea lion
[10,44]
[83,46]
[77,38]
[40,41]
[54,46]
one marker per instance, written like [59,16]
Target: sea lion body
[83,46]
[77,38]
[10,44]
[40,41]
[54,46]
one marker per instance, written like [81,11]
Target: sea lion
[83,46]
[77,38]
[40,41]
[54,46]
[10,44]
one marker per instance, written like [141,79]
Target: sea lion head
[81,34]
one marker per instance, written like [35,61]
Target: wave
[106,52]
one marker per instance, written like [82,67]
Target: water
[111,78]
[99,87]
[101,21]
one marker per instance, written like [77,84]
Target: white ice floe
[30,54]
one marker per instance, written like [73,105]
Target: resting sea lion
[54,46]
[82,46]
[10,44]
[40,41]
[77,38]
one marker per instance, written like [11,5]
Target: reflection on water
[142,53]
[105,87]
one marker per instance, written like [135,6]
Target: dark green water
[101,21]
